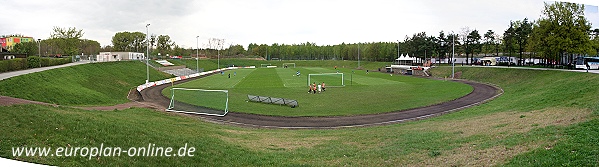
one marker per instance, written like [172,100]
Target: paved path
[11,74]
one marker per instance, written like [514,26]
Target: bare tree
[464,34]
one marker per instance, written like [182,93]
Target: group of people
[314,88]
[234,73]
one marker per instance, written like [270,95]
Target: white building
[119,56]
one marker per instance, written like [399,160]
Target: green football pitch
[361,93]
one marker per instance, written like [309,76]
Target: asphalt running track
[480,94]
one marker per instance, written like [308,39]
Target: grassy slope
[531,90]
[535,121]
[368,93]
[88,84]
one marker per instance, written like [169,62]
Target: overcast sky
[324,22]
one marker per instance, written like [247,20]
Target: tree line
[62,41]
[561,31]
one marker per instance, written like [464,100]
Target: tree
[562,29]
[29,48]
[509,37]
[489,41]
[521,34]
[471,40]
[89,47]
[453,41]
[443,46]
[129,41]
[474,44]
[164,45]
[67,40]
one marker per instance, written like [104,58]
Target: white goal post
[199,101]
[330,79]
[288,65]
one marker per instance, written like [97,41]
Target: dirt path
[480,94]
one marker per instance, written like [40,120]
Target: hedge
[31,62]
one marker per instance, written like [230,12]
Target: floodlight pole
[397,48]
[39,50]
[358,55]
[148,53]
[197,55]
[453,56]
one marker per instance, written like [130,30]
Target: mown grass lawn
[544,118]
[362,94]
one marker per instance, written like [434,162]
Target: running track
[480,94]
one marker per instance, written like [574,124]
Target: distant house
[8,42]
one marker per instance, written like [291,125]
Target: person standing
[322,86]
[588,66]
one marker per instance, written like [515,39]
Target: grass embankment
[544,118]
[363,94]
[88,84]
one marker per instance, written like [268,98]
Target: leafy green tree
[29,48]
[521,33]
[90,47]
[471,44]
[164,45]
[563,29]
[66,39]
[444,45]
[129,41]
[509,37]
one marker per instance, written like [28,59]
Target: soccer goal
[288,65]
[199,101]
[330,79]
[264,65]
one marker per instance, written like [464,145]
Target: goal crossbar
[321,74]
[289,64]
[172,102]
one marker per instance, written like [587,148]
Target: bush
[33,62]
[30,62]
[13,65]
[45,62]
[58,61]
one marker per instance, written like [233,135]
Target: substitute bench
[273,100]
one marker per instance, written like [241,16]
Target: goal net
[264,65]
[330,79]
[288,65]
[199,101]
